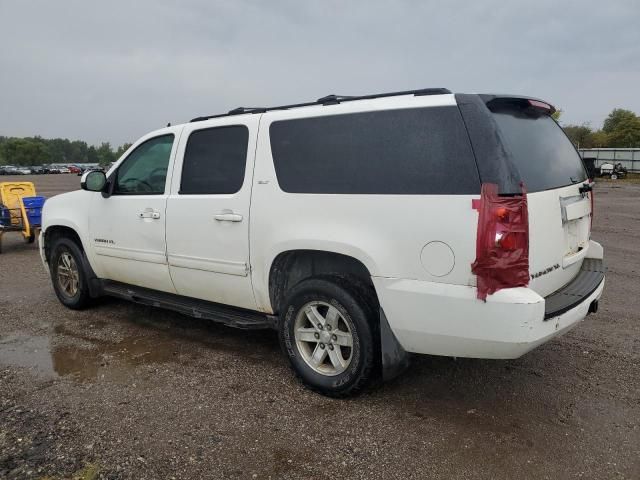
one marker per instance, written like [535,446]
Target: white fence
[628,157]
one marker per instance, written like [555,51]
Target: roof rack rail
[326,100]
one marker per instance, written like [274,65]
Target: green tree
[618,118]
[580,135]
[625,135]
[105,154]
[600,139]
[121,149]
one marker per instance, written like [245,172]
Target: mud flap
[394,358]
[94,283]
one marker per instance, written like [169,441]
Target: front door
[208,211]
[128,227]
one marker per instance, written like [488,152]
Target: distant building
[628,157]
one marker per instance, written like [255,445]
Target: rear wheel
[328,333]
[67,274]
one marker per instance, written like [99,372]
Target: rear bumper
[442,319]
[590,276]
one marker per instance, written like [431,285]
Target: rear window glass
[412,151]
[542,153]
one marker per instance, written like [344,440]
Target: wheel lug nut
[319,327]
[334,337]
[330,347]
[329,327]
[317,335]
[322,346]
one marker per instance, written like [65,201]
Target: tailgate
[559,228]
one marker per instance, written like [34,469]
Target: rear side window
[542,153]
[409,151]
[215,161]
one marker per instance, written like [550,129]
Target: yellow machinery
[20,210]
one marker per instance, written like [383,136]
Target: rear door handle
[148,213]
[228,217]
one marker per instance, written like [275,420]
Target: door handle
[148,213]
[228,217]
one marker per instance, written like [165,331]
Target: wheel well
[59,231]
[291,267]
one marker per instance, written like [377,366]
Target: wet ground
[126,391]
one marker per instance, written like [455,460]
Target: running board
[230,316]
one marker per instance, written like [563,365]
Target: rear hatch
[553,174]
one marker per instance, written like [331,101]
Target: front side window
[144,171]
[215,161]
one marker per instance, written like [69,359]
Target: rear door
[552,173]
[208,211]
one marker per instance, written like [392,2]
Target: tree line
[621,129]
[30,151]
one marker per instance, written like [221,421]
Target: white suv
[361,228]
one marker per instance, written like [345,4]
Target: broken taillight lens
[502,242]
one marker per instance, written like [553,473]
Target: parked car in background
[63,170]
[93,169]
[74,169]
[360,228]
[23,171]
[38,170]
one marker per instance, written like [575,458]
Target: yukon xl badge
[104,240]
[545,271]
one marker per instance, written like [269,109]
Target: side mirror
[93,181]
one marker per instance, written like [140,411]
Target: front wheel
[328,333]
[68,276]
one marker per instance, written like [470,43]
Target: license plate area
[576,222]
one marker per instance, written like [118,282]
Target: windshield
[543,154]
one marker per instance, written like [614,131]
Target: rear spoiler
[496,101]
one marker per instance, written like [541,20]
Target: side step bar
[230,316]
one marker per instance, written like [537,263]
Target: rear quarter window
[409,152]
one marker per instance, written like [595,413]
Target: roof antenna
[169,124]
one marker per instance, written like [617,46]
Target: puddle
[83,352]
[33,353]
[40,356]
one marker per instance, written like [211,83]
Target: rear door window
[215,161]
[410,152]
[542,153]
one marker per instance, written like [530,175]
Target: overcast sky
[113,70]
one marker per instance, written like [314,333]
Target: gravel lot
[126,391]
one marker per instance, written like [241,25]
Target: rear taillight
[502,242]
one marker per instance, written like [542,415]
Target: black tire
[357,305]
[81,299]
[31,238]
